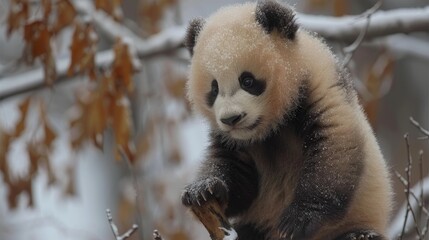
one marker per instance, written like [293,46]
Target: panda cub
[291,155]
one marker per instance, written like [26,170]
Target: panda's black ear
[194,28]
[273,15]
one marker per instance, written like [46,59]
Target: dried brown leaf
[93,117]
[18,15]
[122,69]
[18,187]
[97,121]
[23,110]
[66,13]
[121,124]
[37,38]
[83,48]
[5,141]
[49,133]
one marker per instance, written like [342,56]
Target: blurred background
[93,107]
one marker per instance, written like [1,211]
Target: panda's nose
[232,120]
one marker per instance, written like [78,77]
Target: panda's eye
[247,82]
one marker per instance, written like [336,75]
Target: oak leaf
[121,125]
[122,68]
[18,15]
[83,48]
[49,133]
[5,141]
[66,13]
[16,188]
[37,38]
[23,110]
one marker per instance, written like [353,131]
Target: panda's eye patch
[250,84]
[214,91]
[215,88]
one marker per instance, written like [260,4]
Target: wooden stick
[212,216]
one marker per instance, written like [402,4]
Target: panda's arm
[333,164]
[228,176]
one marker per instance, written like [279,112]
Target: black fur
[361,234]
[323,194]
[210,188]
[258,86]
[273,15]
[234,171]
[345,82]
[239,173]
[194,29]
[250,232]
[212,95]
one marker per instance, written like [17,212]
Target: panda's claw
[202,191]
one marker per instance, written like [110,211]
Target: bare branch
[418,126]
[111,28]
[114,228]
[349,50]
[408,192]
[345,29]
[402,45]
[402,224]
[125,158]
[383,23]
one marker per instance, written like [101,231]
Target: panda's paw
[297,222]
[202,191]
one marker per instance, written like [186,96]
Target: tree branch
[124,236]
[383,23]
[418,126]
[345,29]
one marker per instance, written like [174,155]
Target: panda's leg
[249,232]
[361,234]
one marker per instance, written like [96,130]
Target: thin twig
[408,192]
[421,180]
[114,228]
[397,223]
[139,213]
[351,49]
[418,126]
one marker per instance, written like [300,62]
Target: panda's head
[246,70]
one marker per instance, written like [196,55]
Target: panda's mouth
[255,124]
[250,127]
